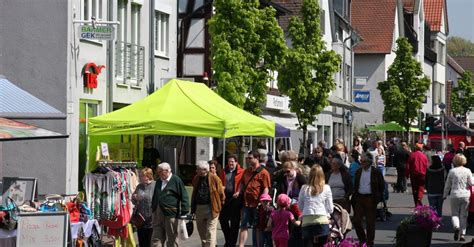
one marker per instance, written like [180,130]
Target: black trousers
[144,236]
[229,219]
[401,180]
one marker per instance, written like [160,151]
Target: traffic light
[429,123]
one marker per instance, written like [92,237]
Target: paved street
[400,205]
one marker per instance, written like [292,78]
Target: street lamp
[442,106]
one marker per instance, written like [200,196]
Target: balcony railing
[129,63]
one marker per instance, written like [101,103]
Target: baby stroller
[382,210]
[339,224]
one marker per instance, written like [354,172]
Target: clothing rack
[122,164]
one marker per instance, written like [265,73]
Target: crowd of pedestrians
[288,201]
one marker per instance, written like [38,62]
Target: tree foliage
[306,77]
[462,96]
[246,44]
[406,86]
[458,46]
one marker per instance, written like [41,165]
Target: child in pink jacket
[279,221]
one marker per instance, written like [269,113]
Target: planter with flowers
[417,229]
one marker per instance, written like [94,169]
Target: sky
[461,18]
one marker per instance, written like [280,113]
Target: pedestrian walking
[264,211]
[400,159]
[278,222]
[290,184]
[229,217]
[206,203]
[457,186]
[315,201]
[448,158]
[141,198]
[435,184]
[355,164]
[170,201]
[368,191]
[255,182]
[341,184]
[416,171]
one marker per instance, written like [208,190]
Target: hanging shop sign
[277,102]
[97,32]
[90,72]
[361,96]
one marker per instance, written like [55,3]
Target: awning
[13,131]
[336,101]
[287,122]
[16,103]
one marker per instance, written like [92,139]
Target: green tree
[462,97]
[458,46]
[405,89]
[306,77]
[246,45]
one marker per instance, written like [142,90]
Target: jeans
[381,169]
[436,203]
[230,221]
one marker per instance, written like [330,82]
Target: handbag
[137,219]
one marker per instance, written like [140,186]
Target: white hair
[164,166]
[202,164]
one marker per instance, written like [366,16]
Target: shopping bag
[182,230]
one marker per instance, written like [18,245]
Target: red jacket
[416,164]
[238,176]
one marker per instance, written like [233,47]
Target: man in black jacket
[400,162]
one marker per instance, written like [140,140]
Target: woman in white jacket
[458,185]
[315,201]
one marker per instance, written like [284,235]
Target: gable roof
[375,22]
[434,10]
[467,63]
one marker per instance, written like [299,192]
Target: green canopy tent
[390,126]
[182,108]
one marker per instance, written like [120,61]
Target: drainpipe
[151,52]
[110,62]
[401,22]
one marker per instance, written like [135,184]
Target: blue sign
[361,96]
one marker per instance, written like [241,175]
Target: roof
[17,103]
[466,62]
[182,108]
[375,22]
[454,65]
[434,14]
[294,8]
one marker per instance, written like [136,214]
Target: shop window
[86,111]
[161,33]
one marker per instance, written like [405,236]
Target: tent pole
[183,142]
[250,147]
[274,149]
[223,155]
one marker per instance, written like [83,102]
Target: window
[162,33]
[121,39]
[136,24]
[441,53]
[92,8]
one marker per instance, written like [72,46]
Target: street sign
[97,33]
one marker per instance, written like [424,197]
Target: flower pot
[417,236]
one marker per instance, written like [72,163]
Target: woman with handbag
[142,214]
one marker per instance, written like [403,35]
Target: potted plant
[417,229]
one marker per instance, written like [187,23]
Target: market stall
[180,108]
